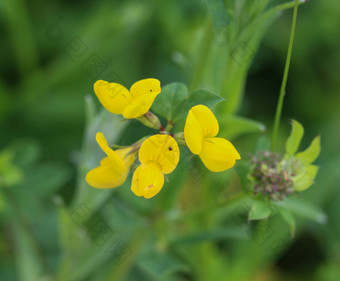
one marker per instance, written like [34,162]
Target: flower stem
[169,126]
[284,80]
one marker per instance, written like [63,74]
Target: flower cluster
[269,180]
[159,154]
[276,176]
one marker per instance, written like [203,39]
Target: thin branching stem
[284,80]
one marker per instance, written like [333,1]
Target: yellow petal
[106,175]
[147,180]
[129,159]
[218,154]
[116,160]
[145,87]
[139,105]
[206,119]
[162,149]
[193,133]
[114,97]
[200,123]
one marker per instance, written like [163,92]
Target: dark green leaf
[167,101]
[196,97]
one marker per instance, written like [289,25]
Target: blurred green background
[51,53]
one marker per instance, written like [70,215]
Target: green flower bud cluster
[270,179]
[276,176]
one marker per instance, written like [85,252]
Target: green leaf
[196,97]
[293,142]
[312,170]
[303,183]
[167,101]
[234,126]
[288,217]
[305,178]
[303,209]
[260,210]
[311,153]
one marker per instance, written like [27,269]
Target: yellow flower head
[158,155]
[201,128]
[113,169]
[131,104]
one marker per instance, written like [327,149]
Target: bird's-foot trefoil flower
[114,168]
[200,131]
[158,155]
[131,103]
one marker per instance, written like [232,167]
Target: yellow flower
[158,155]
[113,169]
[201,128]
[131,104]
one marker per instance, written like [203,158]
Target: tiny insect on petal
[145,87]
[162,149]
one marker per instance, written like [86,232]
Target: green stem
[169,126]
[284,80]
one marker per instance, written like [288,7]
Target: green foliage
[234,126]
[304,209]
[293,142]
[174,102]
[311,153]
[9,173]
[305,177]
[197,229]
[259,211]
[303,173]
[288,218]
[168,102]
[218,13]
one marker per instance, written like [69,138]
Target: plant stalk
[284,80]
